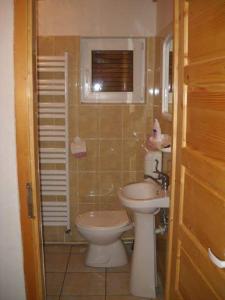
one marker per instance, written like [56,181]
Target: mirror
[167,79]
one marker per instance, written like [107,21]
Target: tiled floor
[67,277]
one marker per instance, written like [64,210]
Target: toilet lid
[103,219]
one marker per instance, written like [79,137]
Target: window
[112,70]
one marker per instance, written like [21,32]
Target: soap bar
[78,147]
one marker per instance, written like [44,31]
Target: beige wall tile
[73,163]
[110,155]
[133,155]
[90,162]
[79,249]
[73,122]
[110,122]
[88,121]
[107,130]
[131,177]
[45,45]
[57,248]
[167,163]
[53,234]
[84,207]
[65,44]
[88,187]
[149,119]
[128,234]
[110,203]
[74,192]
[74,235]
[134,118]
[109,182]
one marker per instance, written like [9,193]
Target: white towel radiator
[54,139]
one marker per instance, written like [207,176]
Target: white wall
[97,17]
[11,265]
[164,14]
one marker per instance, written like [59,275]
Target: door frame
[26,143]
[176,150]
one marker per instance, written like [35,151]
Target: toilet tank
[150,163]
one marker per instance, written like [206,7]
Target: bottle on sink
[154,142]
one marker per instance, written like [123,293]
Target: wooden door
[198,192]
[26,138]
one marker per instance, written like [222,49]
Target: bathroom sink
[143,197]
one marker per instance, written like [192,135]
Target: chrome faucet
[161,176]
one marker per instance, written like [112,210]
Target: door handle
[216,261]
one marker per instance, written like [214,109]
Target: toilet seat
[103,220]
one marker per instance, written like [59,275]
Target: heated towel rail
[54,139]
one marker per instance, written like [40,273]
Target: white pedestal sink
[145,199]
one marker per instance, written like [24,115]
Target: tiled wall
[166,127]
[114,134]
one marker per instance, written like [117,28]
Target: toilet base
[106,256]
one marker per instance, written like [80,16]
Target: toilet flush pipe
[163,226]
[162,229]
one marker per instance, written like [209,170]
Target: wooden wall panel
[206,44]
[207,100]
[199,196]
[199,256]
[203,203]
[200,75]
[208,170]
[192,285]
[205,129]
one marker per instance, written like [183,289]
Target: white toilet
[102,229]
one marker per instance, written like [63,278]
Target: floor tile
[126,298]
[52,298]
[117,284]
[54,283]
[81,284]
[57,248]
[83,298]
[56,262]
[77,264]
